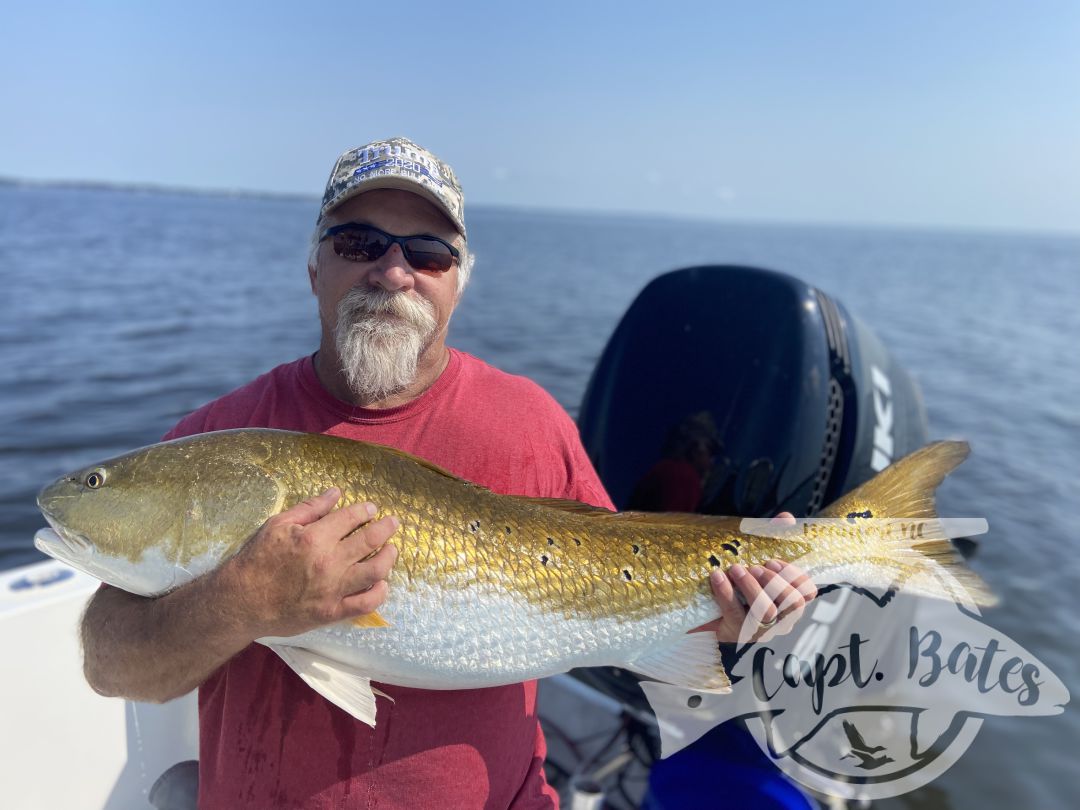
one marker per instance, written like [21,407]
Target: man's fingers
[758,605]
[774,584]
[335,525]
[367,601]
[777,589]
[360,544]
[363,575]
[725,597]
[310,510]
[784,519]
[804,585]
[799,579]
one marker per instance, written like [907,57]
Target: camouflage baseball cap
[395,163]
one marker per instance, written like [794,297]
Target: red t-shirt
[268,740]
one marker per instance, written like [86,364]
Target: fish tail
[912,541]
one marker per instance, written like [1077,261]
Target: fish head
[157,517]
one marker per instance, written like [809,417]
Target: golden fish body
[488,589]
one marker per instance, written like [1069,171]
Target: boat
[63,745]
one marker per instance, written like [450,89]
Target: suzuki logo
[883,419]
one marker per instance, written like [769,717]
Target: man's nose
[392,272]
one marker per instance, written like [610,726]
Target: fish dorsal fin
[711,522]
[423,462]
[430,467]
[564,505]
[644,518]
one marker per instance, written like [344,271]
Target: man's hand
[310,566]
[786,587]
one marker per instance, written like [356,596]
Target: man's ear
[312,273]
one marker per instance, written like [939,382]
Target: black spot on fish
[852,515]
[694,701]
[544,559]
[577,542]
[551,541]
[730,548]
[626,573]
[509,530]
[715,563]
[474,526]
[636,548]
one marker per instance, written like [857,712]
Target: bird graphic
[863,752]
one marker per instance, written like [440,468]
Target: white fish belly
[440,639]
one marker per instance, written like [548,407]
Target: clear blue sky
[941,113]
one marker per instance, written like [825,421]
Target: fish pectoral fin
[372,619]
[692,660]
[381,693]
[334,681]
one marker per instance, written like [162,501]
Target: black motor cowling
[742,391]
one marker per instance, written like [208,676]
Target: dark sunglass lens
[360,245]
[427,254]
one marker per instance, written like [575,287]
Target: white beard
[380,336]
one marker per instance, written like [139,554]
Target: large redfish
[488,589]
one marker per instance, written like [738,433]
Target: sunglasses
[365,243]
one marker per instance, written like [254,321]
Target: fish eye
[95,479]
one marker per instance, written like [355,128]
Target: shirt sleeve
[191,424]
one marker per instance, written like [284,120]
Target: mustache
[360,301]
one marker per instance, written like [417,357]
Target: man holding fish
[388,263]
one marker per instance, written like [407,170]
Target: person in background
[389,261]
[675,482]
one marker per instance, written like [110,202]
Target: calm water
[126,310]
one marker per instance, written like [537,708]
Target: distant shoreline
[152,188]
[188,191]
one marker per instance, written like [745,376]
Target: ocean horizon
[314,199]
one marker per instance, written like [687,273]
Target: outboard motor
[739,391]
[763,385]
